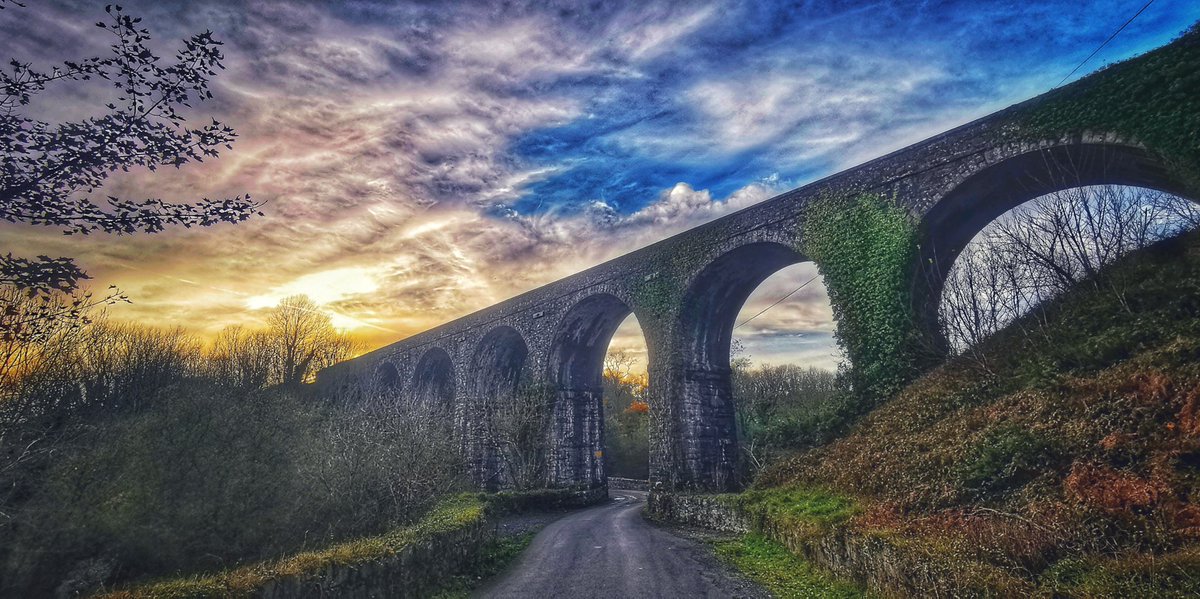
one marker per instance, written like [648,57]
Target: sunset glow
[420,162]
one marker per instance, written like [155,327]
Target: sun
[323,287]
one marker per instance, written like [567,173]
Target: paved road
[611,551]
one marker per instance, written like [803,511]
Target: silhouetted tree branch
[1042,250]
[51,170]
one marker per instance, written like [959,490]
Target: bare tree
[303,340]
[618,363]
[1048,246]
[768,397]
[517,432]
[50,170]
[241,358]
[393,458]
[32,340]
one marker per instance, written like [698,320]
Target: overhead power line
[1101,47]
[1064,79]
[779,301]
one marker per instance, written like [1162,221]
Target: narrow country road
[611,551]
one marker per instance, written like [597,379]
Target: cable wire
[779,301]
[1110,38]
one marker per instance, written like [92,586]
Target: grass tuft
[781,572]
[811,506]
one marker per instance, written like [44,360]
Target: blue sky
[424,160]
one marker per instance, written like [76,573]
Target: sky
[422,160]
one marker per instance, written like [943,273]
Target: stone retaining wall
[416,571]
[706,511]
[876,562]
[628,484]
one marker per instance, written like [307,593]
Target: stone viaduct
[686,290]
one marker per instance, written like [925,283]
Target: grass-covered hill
[1061,459]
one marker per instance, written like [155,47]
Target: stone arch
[496,369]
[703,422]
[497,363]
[576,369]
[716,294]
[433,378]
[1011,179]
[387,376]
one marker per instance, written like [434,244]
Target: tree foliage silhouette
[51,171]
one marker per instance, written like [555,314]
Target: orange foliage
[1148,387]
[1187,521]
[882,516]
[1112,490]
[1114,440]
[1028,538]
[1189,416]
[638,407]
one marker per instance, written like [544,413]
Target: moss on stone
[453,513]
[1153,99]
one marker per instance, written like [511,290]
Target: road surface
[611,551]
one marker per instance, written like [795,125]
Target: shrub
[1114,491]
[1005,458]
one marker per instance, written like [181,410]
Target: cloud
[420,161]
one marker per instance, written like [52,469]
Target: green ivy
[657,295]
[1153,98]
[866,247]
[664,282]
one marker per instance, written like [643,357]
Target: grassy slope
[1070,459]
[782,573]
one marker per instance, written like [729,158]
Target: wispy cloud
[423,160]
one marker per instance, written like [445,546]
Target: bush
[205,477]
[1006,458]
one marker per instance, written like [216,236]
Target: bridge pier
[577,439]
[693,440]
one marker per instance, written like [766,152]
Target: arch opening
[964,213]
[497,364]
[626,403]
[716,296]
[387,377]
[705,414]
[576,370]
[1047,246]
[784,366]
[433,379]
[503,435]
